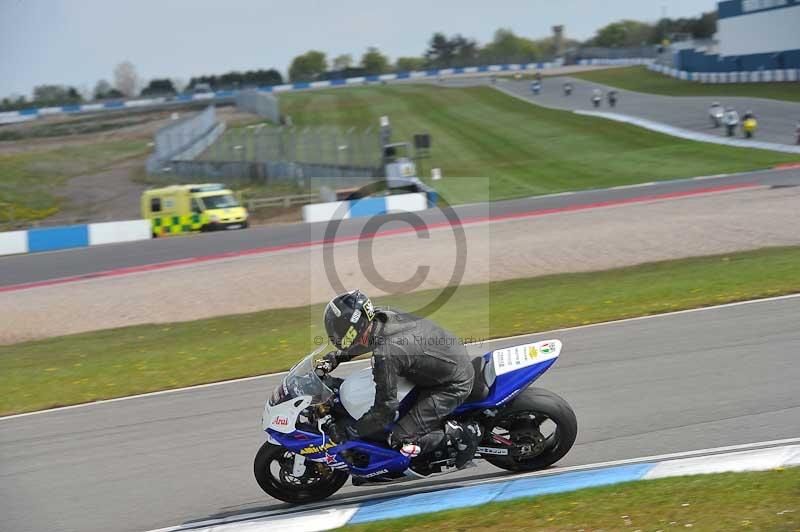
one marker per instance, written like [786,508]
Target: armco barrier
[73,236]
[342,210]
[756,76]
[626,61]
[229,95]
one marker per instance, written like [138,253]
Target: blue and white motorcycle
[524,429]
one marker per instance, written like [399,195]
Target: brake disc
[529,442]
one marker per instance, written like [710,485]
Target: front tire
[542,405]
[273,471]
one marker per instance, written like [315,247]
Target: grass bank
[525,149]
[29,179]
[640,79]
[113,363]
[762,500]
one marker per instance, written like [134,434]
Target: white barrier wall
[13,242]
[73,236]
[111,232]
[323,212]
[406,203]
[342,210]
[756,76]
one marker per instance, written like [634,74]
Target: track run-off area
[276,267]
[711,377]
[46,269]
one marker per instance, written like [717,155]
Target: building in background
[751,35]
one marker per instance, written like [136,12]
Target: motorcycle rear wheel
[273,466]
[542,405]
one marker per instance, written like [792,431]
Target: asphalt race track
[21,269]
[685,381]
[776,119]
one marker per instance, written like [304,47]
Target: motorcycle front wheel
[273,471]
[539,420]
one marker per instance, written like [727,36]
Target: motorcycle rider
[749,124]
[731,120]
[597,97]
[404,345]
[716,113]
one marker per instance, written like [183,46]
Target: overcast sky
[77,42]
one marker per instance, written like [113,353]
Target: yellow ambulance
[181,209]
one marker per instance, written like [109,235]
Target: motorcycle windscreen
[357,393]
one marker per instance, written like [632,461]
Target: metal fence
[329,146]
[264,154]
[259,103]
[255,204]
[174,140]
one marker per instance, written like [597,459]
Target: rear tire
[328,482]
[554,408]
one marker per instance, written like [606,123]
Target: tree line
[442,51]
[505,47]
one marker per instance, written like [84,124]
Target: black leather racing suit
[425,354]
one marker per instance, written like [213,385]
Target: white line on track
[462,483]
[493,340]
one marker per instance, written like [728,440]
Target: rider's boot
[465,437]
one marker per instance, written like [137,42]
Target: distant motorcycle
[731,121]
[523,428]
[749,126]
[536,87]
[716,114]
[597,97]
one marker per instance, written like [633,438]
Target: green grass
[29,180]
[640,79]
[761,500]
[113,363]
[525,149]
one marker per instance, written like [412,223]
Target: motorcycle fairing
[514,369]
[317,448]
[282,417]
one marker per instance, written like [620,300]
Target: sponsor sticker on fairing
[313,449]
[356,316]
[547,348]
[374,473]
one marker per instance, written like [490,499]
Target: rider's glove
[340,432]
[328,363]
